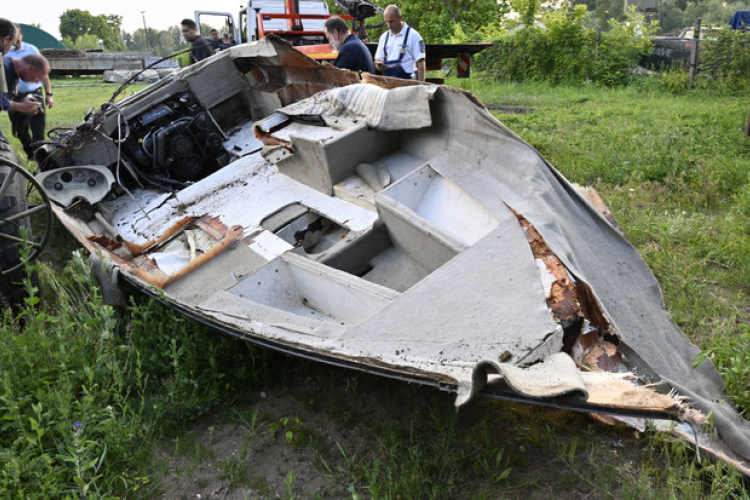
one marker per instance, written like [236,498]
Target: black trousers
[29,128]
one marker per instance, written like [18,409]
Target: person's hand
[379,65]
[26,107]
[50,101]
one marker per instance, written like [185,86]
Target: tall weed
[84,390]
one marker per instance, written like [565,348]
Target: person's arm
[48,92]
[420,70]
[25,107]
[379,54]
[420,54]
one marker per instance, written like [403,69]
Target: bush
[517,57]
[675,80]
[567,51]
[620,48]
[728,59]
[571,45]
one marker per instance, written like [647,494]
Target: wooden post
[693,66]
[747,125]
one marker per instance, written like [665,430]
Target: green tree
[527,9]
[137,41]
[75,23]
[83,42]
[602,11]
[113,39]
[170,41]
[672,14]
[437,21]
[160,42]
[711,12]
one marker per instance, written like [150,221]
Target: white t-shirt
[414,48]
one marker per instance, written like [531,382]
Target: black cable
[132,78]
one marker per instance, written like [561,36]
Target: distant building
[40,38]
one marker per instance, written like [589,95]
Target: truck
[298,21]
[301,23]
[673,51]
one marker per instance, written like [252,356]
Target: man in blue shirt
[31,91]
[353,53]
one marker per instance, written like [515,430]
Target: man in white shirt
[29,91]
[401,50]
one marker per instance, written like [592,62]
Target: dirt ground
[294,439]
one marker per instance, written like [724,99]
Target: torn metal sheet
[386,226]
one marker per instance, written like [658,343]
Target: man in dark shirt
[201,47]
[353,53]
[215,40]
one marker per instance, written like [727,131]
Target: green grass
[85,389]
[87,392]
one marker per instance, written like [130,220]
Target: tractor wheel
[23,203]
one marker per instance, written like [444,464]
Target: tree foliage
[568,50]
[161,42]
[75,23]
[676,14]
[673,14]
[526,9]
[727,58]
[83,42]
[438,20]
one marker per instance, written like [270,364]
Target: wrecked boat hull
[381,225]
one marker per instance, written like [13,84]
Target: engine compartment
[176,140]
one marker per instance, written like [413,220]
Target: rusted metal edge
[159,280]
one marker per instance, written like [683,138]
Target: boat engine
[176,139]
